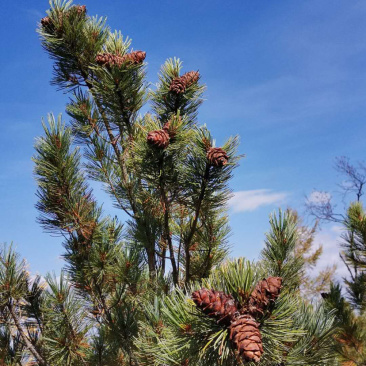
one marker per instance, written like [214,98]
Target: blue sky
[287,76]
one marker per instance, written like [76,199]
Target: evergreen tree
[312,285]
[351,305]
[349,301]
[156,289]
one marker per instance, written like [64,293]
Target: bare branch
[355,176]
[319,204]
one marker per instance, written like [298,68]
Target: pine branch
[65,202]
[113,142]
[279,255]
[14,289]
[25,338]
[166,210]
[188,239]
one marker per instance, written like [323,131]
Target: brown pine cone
[191,77]
[117,61]
[265,292]
[215,304]
[135,57]
[103,59]
[81,9]
[245,334]
[217,156]
[180,84]
[158,138]
[177,86]
[108,60]
[46,21]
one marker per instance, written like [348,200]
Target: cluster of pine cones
[244,329]
[181,83]
[216,156]
[160,139]
[46,22]
[110,60]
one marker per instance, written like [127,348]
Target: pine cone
[177,86]
[46,21]
[136,57]
[158,138]
[217,156]
[215,304]
[81,9]
[180,84]
[191,77]
[103,59]
[245,334]
[265,292]
[109,60]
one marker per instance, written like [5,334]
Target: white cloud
[252,199]
[319,197]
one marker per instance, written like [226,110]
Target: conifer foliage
[154,286]
[244,330]
[351,304]
[241,314]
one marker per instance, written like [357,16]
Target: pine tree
[351,305]
[155,289]
[312,285]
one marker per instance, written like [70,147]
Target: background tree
[351,335]
[312,285]
[321,206]
[349,301]
[320,203]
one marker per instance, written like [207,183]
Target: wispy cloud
[252,199]
[319,197]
